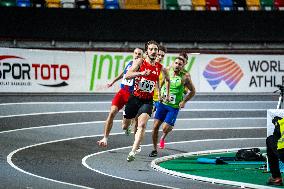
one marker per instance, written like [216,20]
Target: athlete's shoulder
[159,65]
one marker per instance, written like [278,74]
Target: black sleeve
[276,132]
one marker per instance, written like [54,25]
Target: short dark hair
[162,48]
[149,43]
[139,49]
[183,54]
[181,58]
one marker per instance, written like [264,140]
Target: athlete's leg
[108,126]
[166,129]
[142,122]
[125,123]
[144,114]
[169,124]
[130,111]
[160,115]
[155,133]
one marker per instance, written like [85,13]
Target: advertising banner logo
[15,70]
[223,69]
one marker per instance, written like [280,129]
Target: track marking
[107,111]
[192,141]
[10,156]
[151,120]
[155,166]
[108,102]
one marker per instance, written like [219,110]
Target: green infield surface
[249,174]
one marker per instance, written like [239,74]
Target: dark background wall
[126,25]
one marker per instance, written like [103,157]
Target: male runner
[159,59]
[121,97]
[167,111]
[146,73]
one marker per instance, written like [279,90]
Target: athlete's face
[178,65]
[160,56]
[137,53]
[152,51]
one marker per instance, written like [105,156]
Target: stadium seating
[111,4]
[68,3]
[239,5]
[189,5]
[279,4]
[23,3]
[171,5]
[212,5]
[253,5]
[199,5]
[267,5]
[96,4]
[226,5]
[185,4]
[140,4]
[38,3]
[82,4]
[8,3]
[53,4]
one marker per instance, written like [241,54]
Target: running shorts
[166,113]
[120,99]
[136,106]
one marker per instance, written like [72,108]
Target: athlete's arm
[116,79]
[188,84]
[133,70]
[167,79]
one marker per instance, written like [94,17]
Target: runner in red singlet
[140,103]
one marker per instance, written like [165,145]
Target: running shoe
[139,149]
[275,181]
[128,131]
[162,143]
[154,153]
[131,156]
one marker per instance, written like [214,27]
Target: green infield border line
[155,166]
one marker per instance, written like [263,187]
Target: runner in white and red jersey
[121,97]
[140,103]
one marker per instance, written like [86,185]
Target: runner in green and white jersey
[167,111]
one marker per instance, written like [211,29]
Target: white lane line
[10,156]
[50,113]
[122,178]
[107,111]
[54,103]
[116,149]
[151,120]
[108,102]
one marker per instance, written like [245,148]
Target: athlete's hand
[167,99]
[109,85]
[182,104]
[102,142]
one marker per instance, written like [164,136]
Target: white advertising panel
[240,73]
[103,67]
[23,70]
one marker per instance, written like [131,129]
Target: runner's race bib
[172,98]
[146,85]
